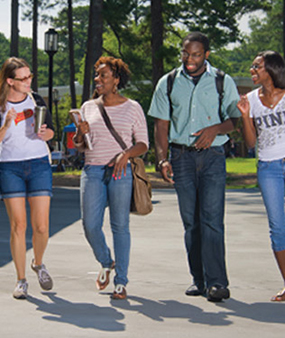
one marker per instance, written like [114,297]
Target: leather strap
[109,125]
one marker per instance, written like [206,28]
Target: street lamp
[55,97]
[51,47]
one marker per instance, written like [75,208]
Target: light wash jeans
[98,190]
[200,179]
[271,176]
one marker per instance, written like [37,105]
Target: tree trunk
[283,28]
[94,44]
[14,45]
[35,46]
[156,40]
[71,56]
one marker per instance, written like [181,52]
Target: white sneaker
[43,276]
[21,289]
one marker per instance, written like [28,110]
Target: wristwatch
[160,163]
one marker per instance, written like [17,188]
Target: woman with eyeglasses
[25,171]
[264,122]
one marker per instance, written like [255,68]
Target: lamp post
[51,47]
[55,97]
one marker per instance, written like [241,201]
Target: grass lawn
[241,165]
[237,165]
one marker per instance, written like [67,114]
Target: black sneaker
[195,290]
[217,293]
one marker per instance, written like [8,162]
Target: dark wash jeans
[200,179]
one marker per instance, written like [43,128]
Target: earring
[115,89]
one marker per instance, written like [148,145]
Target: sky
[25,27]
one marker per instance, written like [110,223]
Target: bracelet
[160,163]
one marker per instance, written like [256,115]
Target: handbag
[141,194]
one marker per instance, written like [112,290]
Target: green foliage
[266,34]
[5,48]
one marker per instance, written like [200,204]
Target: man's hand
[206,137]
[166,172]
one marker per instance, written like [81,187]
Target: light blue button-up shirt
[194,107]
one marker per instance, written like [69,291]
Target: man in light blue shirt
[196,166]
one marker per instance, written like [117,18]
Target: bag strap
[109,125]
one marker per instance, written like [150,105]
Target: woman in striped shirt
[107,177]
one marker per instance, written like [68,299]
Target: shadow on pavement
[83,315]
[160,310]
[65,210]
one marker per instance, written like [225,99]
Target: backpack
[219,85]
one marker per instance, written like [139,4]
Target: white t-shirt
[129,121]
[20,141]
[270,125]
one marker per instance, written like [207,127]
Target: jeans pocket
[175,154]
[263,165]
[218,150]
[87,167]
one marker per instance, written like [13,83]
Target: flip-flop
[103,277]
[280,297]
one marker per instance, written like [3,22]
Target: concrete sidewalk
[156,305]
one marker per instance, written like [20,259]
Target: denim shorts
[26,178]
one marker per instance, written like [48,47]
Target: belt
[185,148]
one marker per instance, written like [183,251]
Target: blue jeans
[271,176]
[98,190]
[200,179]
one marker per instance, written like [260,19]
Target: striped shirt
[129,121]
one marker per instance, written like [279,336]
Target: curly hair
[118,67]
[8,70]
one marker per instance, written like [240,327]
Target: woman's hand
[45,133]
[82,129]
[244,106]
[120,164]
[11,115]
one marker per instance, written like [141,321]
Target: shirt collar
[209,70]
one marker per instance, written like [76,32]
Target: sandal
[280,297]
[119,292]
[103,277]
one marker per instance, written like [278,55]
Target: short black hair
[275,66]
[199,37]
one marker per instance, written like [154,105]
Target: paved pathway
[156,306]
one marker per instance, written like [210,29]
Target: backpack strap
[219,85]
[170,80]
[220,89]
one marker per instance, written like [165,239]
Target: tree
[71,56]
[14,46]
[31,13]
[94,43]
[156,40]
[35,46]
[239,59]
[218,19]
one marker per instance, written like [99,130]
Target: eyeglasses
[256,67]
[24,78]
[186,55]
